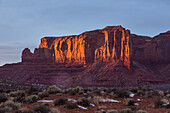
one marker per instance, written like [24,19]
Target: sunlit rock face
[108,45]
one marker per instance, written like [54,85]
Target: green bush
[54,89]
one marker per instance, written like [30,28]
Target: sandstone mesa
[95,58]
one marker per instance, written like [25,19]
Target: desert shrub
[71,105]
[19,99]
[31,99]
[134,90]
[71,91]
[17,93]
[43,94]
[109,90]
[5,110]
[55,110]
[129,102]
[83,101]
[88,95]
[158,93]
[8,91]
[11,104]
[42,109]
[79,89]
[168,95]
[112,111]
[127,110]
[95,100]
[3,98]
[141,111]
[1,90]
[24,110]
[122,93]
[101,107]
[86,90]
[97,91]
[60,101]
[158,103]
[168,105]
[32,90]
[54,89]
[140,93]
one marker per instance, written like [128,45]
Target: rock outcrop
[40,55]
[108,45]
[151,51]
[109,57]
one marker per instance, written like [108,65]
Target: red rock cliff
[151,51]
[108,45]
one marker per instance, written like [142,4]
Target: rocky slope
[105,57]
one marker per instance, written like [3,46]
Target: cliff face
[151,51]
[108,45]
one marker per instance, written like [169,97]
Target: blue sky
[24,22]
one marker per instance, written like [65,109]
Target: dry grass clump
[54,89]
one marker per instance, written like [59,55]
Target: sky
[24,22]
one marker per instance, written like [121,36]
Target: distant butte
[105,57]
